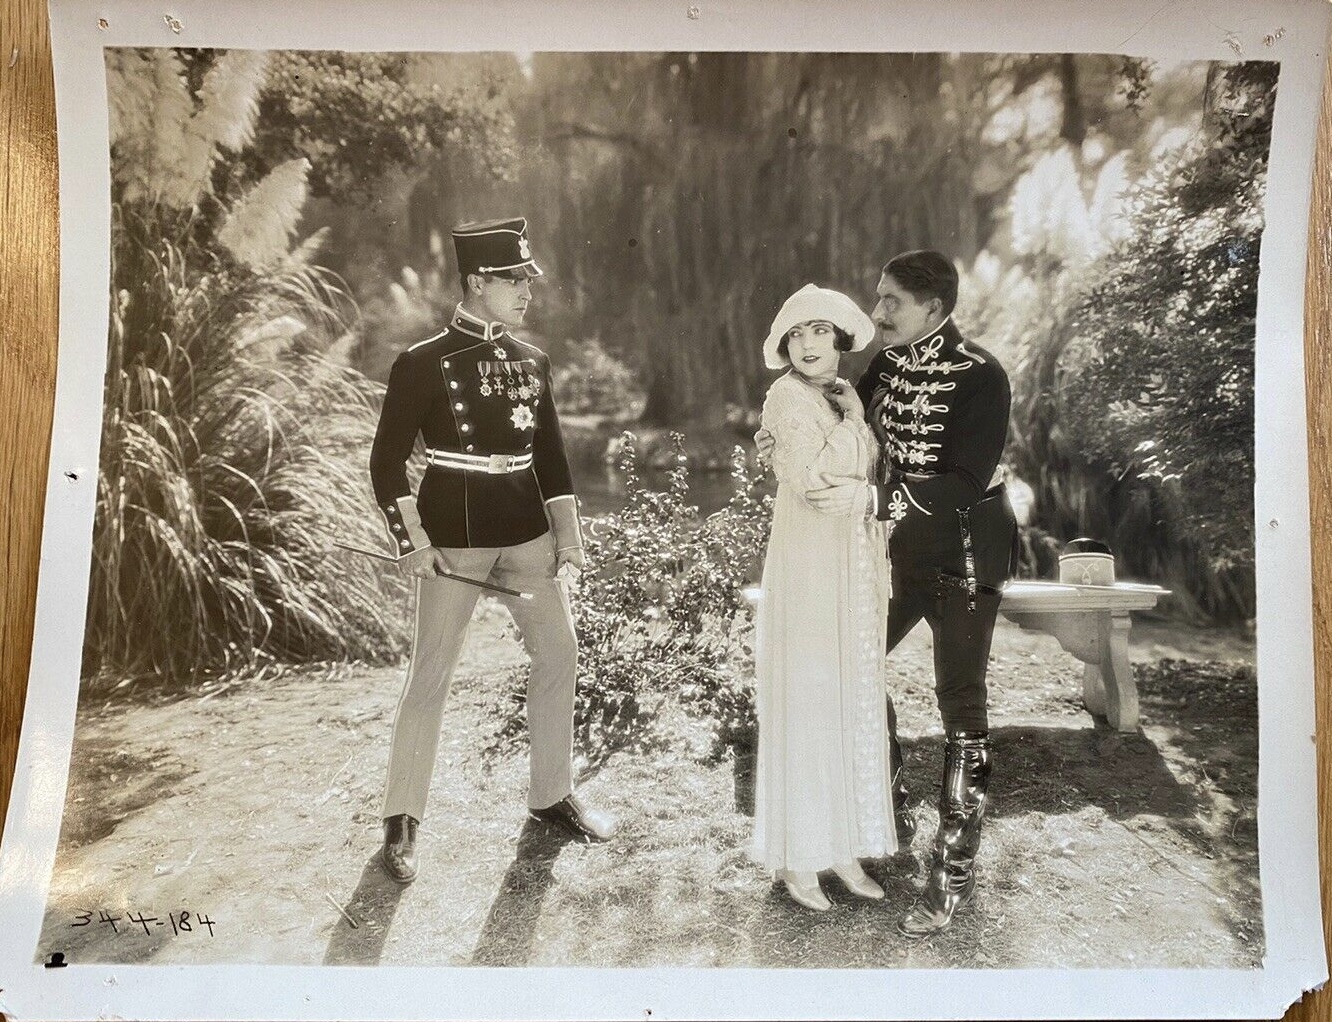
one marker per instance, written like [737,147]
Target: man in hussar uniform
[496,504]
[939,407]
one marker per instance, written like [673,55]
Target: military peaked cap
[495,246]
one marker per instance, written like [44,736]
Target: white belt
[492,464]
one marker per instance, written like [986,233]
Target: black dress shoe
[399,851]
[570,815]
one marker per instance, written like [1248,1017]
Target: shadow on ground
[1061,770]
[511,926]
[371,907]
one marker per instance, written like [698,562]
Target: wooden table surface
[29,277]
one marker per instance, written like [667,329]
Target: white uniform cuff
[404,526]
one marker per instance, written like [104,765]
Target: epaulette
[430,340]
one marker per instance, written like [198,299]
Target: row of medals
[514,380]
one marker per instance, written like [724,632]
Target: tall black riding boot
[962,803]
[903,816]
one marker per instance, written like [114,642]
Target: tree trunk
[1074,127]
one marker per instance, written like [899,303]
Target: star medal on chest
[522,418]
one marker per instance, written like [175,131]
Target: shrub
[1160,381]
[592,381]
[1131,349]
[661,613]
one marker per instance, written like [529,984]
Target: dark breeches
[961,638]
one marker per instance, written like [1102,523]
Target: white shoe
[804,889]
[858,882]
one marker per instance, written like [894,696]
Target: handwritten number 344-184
[181,922]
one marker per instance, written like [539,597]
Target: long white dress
[822,795]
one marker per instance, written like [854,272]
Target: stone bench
[1092,623]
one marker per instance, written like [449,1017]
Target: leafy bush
[1127,324]
[661,613]
[1161,375]
[592,381]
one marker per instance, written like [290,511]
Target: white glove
[567,528]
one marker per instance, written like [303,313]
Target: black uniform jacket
[947,422]
[481,400]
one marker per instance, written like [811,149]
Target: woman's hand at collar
[842,396]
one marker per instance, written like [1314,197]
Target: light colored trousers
[443,611]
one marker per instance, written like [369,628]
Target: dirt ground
[258,808]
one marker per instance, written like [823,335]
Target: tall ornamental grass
[234,436]
[233,454]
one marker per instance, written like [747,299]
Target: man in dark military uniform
[496,503]
[939,407]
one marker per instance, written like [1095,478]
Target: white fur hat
[812,302]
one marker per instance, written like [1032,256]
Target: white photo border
[1186,29]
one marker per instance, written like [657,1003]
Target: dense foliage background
[280,231]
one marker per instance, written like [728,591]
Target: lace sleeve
[807,452]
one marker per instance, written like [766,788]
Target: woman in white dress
[823,798]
